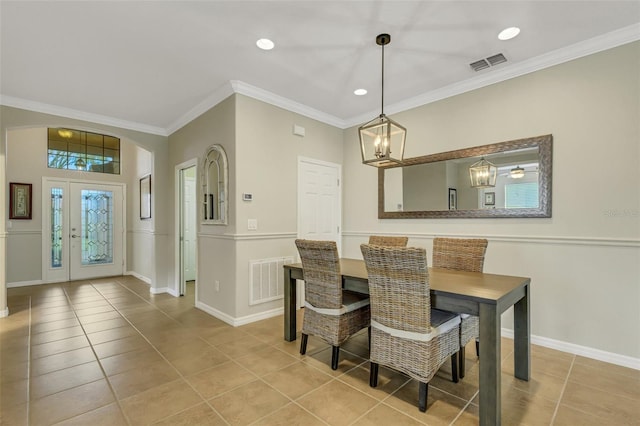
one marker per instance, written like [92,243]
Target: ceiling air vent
[488,62]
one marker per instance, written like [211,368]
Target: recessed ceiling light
[265,44]
[360,92]
[509,33]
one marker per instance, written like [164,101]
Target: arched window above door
[215,177]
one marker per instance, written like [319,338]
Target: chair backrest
[379,240]
[398,287]
[321,272]
[461,254]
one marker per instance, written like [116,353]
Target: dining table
[476,293]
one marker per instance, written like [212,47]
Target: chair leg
[478,348]
[373,375]
[335,354]
[303,344]
[423,393]
[369,332]
[454,367]
[461,361]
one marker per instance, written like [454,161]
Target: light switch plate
[252,224]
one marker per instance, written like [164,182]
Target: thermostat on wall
[247,197]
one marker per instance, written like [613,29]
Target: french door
[83,227]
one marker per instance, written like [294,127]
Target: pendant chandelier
[483,174]
[517,173]
[382,139]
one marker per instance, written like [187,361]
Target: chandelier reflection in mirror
[382,139]
[483,174]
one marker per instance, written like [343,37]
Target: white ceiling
[155,65]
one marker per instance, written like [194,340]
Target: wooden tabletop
[478,286]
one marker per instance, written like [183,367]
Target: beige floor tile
[111,334]
[337,403]
[52,336]
[139,380]
[199,361]
[522,408]
[160,402]
[133,360]
[540,384]
[618,409]
[50,383]
[180,347]
[240,347]
[109,415]
[223,335]
[17,371]
[567,416]
[54,325]
[544,362]
[607,380]
[70,403]
[442,408]
[201,414]
[322,361]
[385,415]
[605,367]
[40,311]
[58,346]
[13,393]
[61,361]
[53,317]
[90,319]
[248,403]
[105,308]
[219,379]
[16,415]
[289,415]
[388,381]
[90,304]
[267,360]
[105,325]
[297,380]
[120,346]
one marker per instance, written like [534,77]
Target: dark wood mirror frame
[545,149]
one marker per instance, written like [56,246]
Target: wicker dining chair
[406,334]
[331,313]
[379,240]
[462,254]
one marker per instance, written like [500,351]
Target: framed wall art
[19,201]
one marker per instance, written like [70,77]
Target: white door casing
[189,217]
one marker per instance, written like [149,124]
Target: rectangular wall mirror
[439,185]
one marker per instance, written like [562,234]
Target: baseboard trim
[600,355]
[29,283]
[138,276]
[160,290]
[236,322]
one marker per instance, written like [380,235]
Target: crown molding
[588,47]
[287,104]
[219,95]
[43,108]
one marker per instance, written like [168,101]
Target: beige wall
[585,260]
[216,253]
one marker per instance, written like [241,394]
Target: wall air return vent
[488,62]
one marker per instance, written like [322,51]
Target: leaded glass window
[85,151]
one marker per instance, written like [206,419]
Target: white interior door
[319,204]
[84,230]
[189,215]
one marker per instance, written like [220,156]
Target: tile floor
[106,352]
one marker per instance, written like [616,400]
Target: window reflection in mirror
[423,186]
[215,186]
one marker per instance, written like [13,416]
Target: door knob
[74,236]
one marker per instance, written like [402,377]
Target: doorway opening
[186,229]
